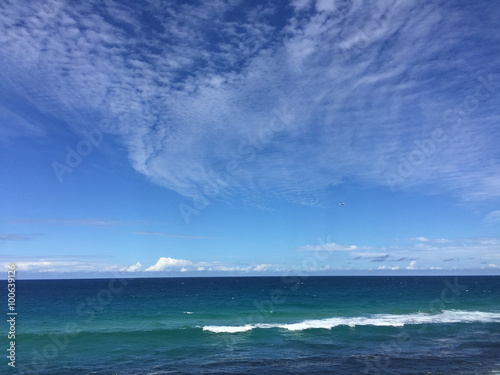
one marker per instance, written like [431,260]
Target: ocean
[258,325]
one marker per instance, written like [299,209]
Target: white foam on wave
[449,316]
[229,329]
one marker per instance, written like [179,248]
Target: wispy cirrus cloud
[332,247]
[14,237]
[493,217]
[420,239]
[193,89]
[172,235]
[80,222]
[427,240]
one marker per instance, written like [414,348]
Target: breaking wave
[450,316]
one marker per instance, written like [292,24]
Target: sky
[218,138]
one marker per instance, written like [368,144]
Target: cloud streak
[14,237]
[80,222]
[493,217]
[172,235]
[331,247]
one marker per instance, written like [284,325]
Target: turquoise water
[296,325]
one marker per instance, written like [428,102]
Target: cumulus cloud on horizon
[457,254]
[168,263]
[183,265]
[132,268]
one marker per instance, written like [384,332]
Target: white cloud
[493,217]
[262,267]
[331,247]
[79,222]
[489,241]
[168,263]
[182,265]
[219,267]
[421,239]
[133,268]
[430,240]
[411,266]
[57,266]
[388,268]
[462,253]
[370,255]
[443,240]
[458,254]
[428,253]
[301,4]
[171,235]
[325,5]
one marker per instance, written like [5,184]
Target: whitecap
[229,329]
[385,320]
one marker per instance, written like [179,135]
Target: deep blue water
[252,325]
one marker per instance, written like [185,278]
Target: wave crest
[450,316]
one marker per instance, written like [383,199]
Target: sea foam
[449,316]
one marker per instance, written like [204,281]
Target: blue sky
[151,138]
